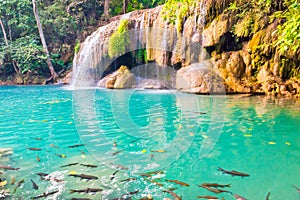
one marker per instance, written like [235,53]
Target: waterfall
[165,47]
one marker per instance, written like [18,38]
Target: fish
[45,194]
[116,153]
[113,175]
[207,197]
[84,176]
[155,182]
[18,185]
[69,165]
[8,168]
[34,149]
[61,155]
[179,182]
[216,191]
[159,151]
[298,189]
[75,146]
[156,172]
[201,113]
[128,179]
[146,175]
[38,159]
[51,179]
[268,196]
[42,174]
[176,197]
[233,172]
[34,185]
[81,199]
[88,165]
[87,190]
[215,185]
[37,138]
[238,197]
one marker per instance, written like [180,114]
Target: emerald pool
[130,133]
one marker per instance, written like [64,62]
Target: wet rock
[151,84]
[200,79]
[235,65]
[120,79]
[68,78]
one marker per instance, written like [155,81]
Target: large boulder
[199,78]
[120,79]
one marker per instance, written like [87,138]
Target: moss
[244,27]
[77,46]
[119,40]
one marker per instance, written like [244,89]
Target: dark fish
[176,197]
[37,138]
[298,189]
[233,172]
[155,182]
[179,182]
[128,179]
[87,190]
[42,174]
[34,149]
[207,197]
[84,176]
[12,180]
[216,191]
[52,179]
[215,185]
[8,168]
[45,194]
[38,159]
[81,199]
[76,145]
[69,165]
[18,185]
[201,113]
[34,185]
[116,153]
[146,175]
[113,175]
[88,165]
[238,197]
[61,155]
[156,172]
[268,196]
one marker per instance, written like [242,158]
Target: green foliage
[244,27]
[289,32]
[77,46]
[174,11]
[119,40]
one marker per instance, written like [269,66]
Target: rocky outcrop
[199,78]
[239,51]
[120,79]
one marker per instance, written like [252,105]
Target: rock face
[120,79]
[240,56]
[200,79]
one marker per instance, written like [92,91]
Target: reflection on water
[127,134]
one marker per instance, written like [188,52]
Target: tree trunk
[106,8]
[39,25]
[125,2]
[6,43]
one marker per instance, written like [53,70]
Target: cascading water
[162,42]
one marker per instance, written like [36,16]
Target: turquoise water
[187,137]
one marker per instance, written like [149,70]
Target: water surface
[147,131]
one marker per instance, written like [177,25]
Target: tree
[106,8]
[41,33]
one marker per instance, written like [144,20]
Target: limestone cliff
[240,50]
